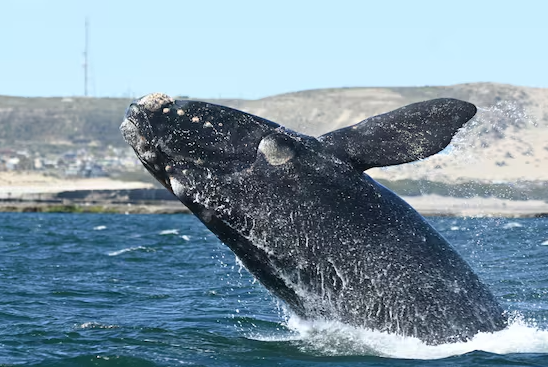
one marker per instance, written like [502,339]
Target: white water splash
[495,120]
[335,339]
[544,243]
[99,228]
[95,325]
[511,225]
[167,232]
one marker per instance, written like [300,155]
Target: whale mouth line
[162,178]
[143,149]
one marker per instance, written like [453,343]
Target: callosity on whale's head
[179,141]
[305,220]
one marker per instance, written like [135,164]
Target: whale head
[180,141]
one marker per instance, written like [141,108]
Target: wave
[511,225]
[95,325]
[129,249]
[166,232]
[94,360]
[174,232]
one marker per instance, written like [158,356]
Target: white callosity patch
[178,188]
[154,101]
[131,134]
[133,137]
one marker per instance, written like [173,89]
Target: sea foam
[333,338]
[129,249]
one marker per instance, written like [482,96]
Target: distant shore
[30,192]
[103,208]
[429,206]
[435,205]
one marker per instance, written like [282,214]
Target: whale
[309,224]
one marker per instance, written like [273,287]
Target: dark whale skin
[306,221]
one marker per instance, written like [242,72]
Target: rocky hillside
[508,140]
[64,121]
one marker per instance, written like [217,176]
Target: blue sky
[254,49]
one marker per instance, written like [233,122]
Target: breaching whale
[309,224]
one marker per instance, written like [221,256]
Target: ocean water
[160,290]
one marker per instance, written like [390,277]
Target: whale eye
[277,149]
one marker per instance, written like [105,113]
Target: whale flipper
[407,134]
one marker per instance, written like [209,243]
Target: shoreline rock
[428,206]
[33,193]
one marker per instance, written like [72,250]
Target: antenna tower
[86,60]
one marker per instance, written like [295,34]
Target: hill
[507,141]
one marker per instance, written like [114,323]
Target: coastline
[428,206]
[435,205]
[99,208]
[29,192]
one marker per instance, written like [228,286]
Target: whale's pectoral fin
[404,135]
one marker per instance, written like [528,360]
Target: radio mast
[86,60]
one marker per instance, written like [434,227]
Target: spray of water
[490,125]
[330,338]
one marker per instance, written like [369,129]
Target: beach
[29,191]
[18,183]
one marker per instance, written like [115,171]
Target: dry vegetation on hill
[507,141]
